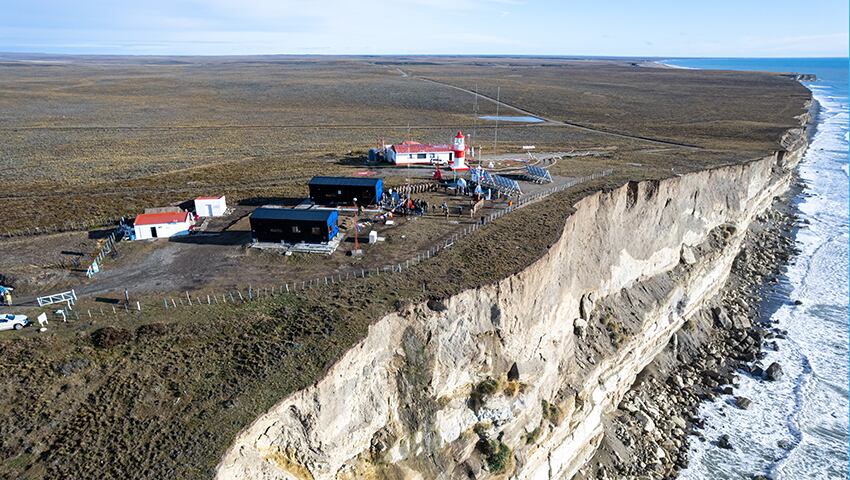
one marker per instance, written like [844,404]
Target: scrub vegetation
[100,140]
[163,395]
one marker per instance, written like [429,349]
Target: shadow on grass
[219,238]
[100,233]
[111,301]
[281,201]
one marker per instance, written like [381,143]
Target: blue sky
[664,28]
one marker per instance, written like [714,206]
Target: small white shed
[210,206]
[163,225]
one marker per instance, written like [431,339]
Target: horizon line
[446,55]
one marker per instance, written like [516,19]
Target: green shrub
[533,435]
[499,457]
[481,391]
[552,412]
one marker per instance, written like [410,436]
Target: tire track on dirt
[553,122]
[233,127]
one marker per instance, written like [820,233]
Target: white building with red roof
[210,206]
[163,224]
[415,153]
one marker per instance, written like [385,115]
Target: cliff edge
[514,378]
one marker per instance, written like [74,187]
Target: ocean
[797,428]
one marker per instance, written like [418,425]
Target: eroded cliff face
[516,377]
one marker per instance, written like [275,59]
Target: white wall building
[163,225]
[415,153]
[210,206]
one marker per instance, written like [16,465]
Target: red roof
[415,147]
[210,198]
[164,217]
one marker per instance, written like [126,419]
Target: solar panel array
[478,175]
[502,184]
[537,174]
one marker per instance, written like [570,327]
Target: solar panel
[496,182]
[537,174]
[503,184]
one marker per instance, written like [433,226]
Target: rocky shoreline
[648,435]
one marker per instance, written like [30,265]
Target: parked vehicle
[13,322]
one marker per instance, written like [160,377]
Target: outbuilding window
[296,229]
[421,155]
[316,231]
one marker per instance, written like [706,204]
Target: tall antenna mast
[474,118]
[496,131]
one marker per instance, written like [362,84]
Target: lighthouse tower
[459,150]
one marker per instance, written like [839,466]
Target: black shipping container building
[290,225]
[343,190]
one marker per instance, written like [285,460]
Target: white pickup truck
[9,321]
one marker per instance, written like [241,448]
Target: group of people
[404,205]
[412,206]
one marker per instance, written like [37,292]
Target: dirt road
[551,121]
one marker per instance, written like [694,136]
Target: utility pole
[356,240]
[496,131]
[474,117]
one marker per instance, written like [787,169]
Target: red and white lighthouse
[459,150]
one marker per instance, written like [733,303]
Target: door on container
[153,232]
[210,210]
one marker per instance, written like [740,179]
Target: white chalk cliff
[580,323]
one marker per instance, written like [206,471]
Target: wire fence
[172,303]
[252,293]
[107,247]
